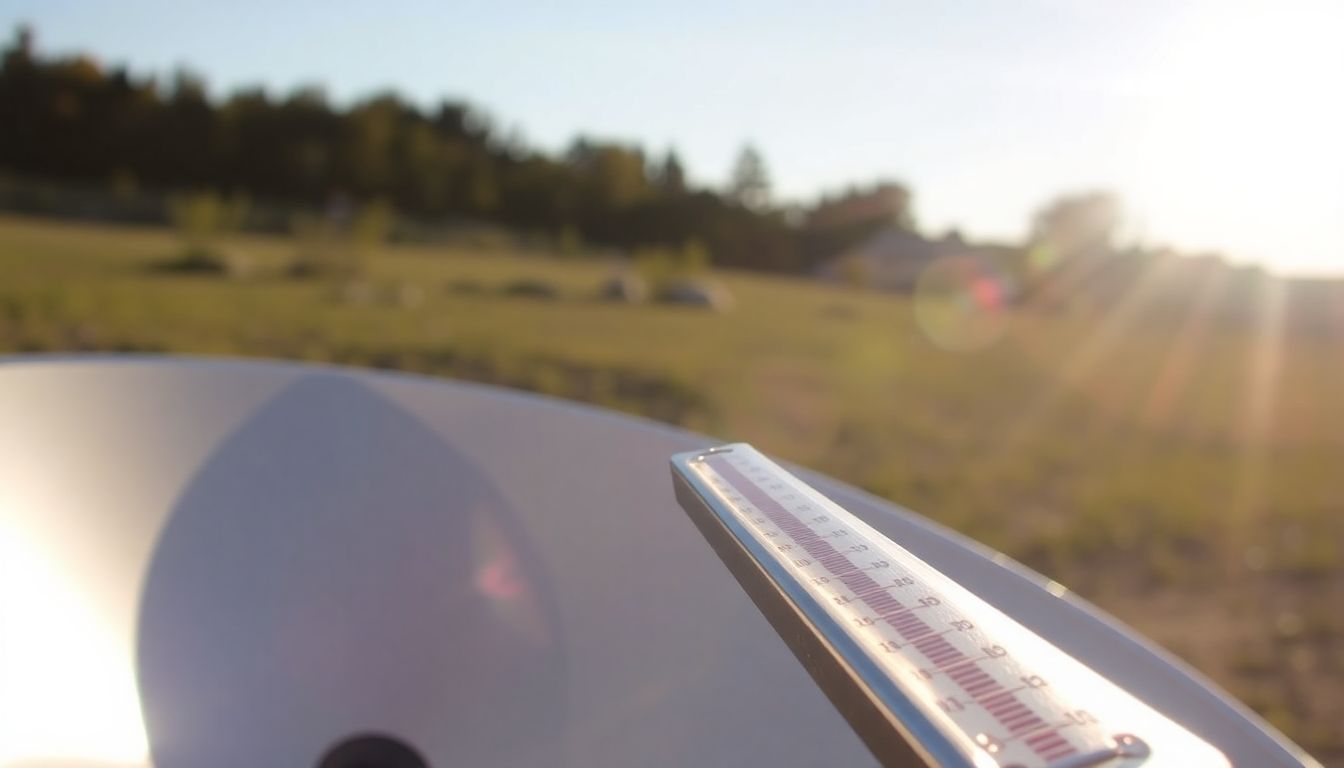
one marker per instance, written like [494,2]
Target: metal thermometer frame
[891,724]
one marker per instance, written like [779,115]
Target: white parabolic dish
[226,563]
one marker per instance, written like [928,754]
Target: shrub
[320,251]
[624,286]
[372,226]
[465,285]
[200,220]
[532,288]
[332,246]
[569,242]
[708,294]
[660,267]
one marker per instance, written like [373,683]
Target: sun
[1241,136]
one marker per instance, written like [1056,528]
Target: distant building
[838,224]
[894,258]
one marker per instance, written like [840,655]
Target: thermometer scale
[920,667]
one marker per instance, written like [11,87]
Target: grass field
[1183,475]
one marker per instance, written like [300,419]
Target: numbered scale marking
[917,664]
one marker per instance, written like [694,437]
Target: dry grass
[1184,476]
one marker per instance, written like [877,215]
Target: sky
[1220,123]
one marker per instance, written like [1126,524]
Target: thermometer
[920,667]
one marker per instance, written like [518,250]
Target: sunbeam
[1264,366]
[1088,356]
[1183,354]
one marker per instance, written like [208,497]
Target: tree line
[70,120]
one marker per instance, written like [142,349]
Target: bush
[196,262]
[625,287]
[569,242]
[321,252]
[708,294]
[532,288]
[372,226]
[695,258]
[660,267]
[200,220]
[334,247]
[466,286]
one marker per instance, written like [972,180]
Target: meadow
[1183,475]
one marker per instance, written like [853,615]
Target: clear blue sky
[1217,121]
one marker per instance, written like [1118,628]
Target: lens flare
[961,303]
